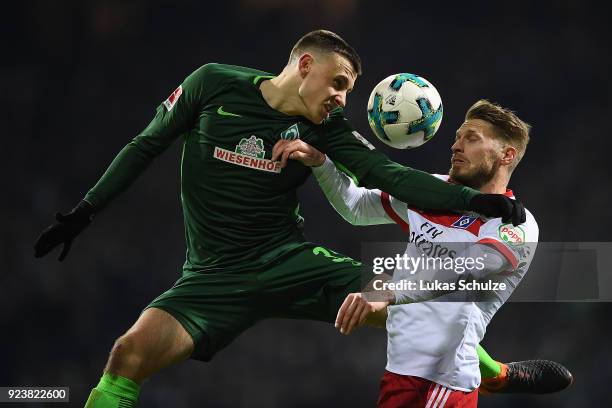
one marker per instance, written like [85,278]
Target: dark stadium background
[79,79]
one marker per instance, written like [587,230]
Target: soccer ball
[404,111]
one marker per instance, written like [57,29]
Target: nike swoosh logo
[221,112]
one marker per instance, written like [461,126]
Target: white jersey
[437,340]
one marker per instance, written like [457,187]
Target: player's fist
[355,310]
[297,150]
[68,226]
[498,205]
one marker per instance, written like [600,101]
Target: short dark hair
[324,40]
[510,129]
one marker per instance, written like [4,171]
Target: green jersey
[237,203]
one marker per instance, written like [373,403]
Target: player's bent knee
[126,358]
[154,342]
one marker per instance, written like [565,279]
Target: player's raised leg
[155,341]
[489,368]
[530,377]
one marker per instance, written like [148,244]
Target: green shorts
[304,281]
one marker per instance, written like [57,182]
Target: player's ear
[305,64]
[508,155]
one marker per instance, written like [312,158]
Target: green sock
[113,391]
[489,368]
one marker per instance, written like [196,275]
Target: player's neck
[497,185]
[281,93]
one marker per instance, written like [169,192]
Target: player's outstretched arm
[374,170]
[64,231]
[173,117]
[422,190]
[357,205]
[357,309]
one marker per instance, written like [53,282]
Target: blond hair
[510,129]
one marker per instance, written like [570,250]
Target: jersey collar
[509,193]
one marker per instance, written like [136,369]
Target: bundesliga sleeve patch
[171,101]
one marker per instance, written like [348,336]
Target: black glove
[498,205]
[68,226]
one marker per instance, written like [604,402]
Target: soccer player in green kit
[246,256]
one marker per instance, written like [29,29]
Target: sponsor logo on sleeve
[511,234]
[248,153]
[174,96]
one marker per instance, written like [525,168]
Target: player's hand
[498,205]
[297,150]
[355,310]
[68,226]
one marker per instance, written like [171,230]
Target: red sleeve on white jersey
[514,243]
[501,248]
[386,203]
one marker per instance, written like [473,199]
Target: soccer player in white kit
[431,353]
